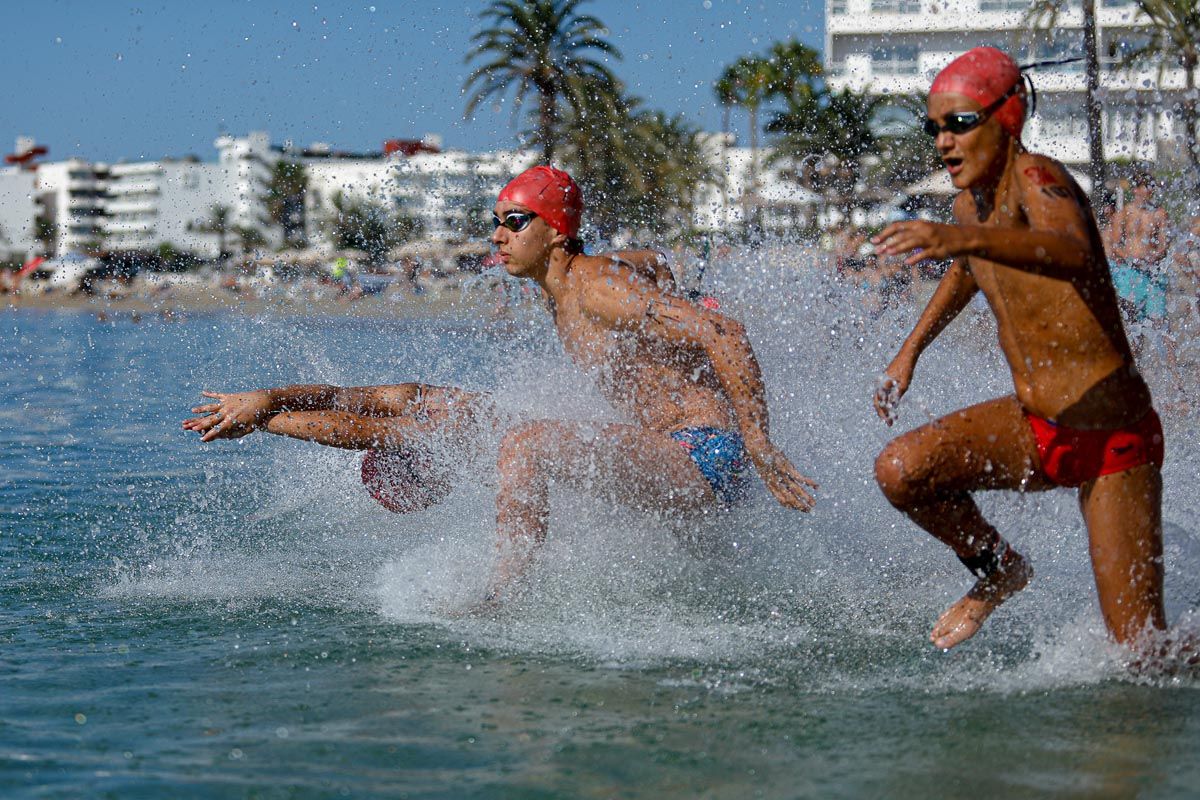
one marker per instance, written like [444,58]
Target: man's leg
[929,474]
[1123,513]
[617,463]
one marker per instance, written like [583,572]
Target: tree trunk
[724,165]
[752,192]
[1190,59]
[546,124]
[1097,168]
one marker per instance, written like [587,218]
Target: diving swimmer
[1081,416]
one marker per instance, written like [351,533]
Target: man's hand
[790,488]
[231,417]
[892,386]
[927,240]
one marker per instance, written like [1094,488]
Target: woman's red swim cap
[551,194]
[986,74]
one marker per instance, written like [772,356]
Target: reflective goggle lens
[958,122]
[515,221]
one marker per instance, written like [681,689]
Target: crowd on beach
[1158,258]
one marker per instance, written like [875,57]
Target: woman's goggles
[962,121]
[515,221]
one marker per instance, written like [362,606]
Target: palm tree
[753,80]
[542,46]
[1045,13]
[725,89]
[1175,38]
[218,222]
[285,199]
[798,70]
[370,226]
[826,137]
[250,239]
[638,168]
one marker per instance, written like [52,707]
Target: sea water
[240,619]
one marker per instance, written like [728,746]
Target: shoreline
[178,301]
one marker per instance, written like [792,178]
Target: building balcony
[124,226]
[127,187]
[899,16]
[130,206]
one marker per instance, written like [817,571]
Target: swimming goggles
[515,221]
[962,121]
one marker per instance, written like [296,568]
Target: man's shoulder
[602,268]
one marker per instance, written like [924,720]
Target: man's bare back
[663,385]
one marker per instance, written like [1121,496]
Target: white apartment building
[898,46]
[441,189]
[164,202]
[17,213]
[71,195]
[173,201]
[143,205]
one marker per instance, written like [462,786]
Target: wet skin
[1025,236]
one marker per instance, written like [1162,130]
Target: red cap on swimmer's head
[986,74]
[551,194]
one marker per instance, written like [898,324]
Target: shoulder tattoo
[1047,182]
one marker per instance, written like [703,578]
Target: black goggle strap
[1037,65]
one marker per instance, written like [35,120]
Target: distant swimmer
[684,377]
[414,434]
[1138,240]
[1081,416]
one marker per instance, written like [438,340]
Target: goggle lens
[515,221]
[956,123]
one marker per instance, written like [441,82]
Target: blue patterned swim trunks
[720,455]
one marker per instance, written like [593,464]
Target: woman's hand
[892,386]
[926,241]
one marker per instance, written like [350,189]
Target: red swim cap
[405,480]
[986,74]
[551,194]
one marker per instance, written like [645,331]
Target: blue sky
[143,80]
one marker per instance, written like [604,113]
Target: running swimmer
[685,377]
[1025,236]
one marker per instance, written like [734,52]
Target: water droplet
[295,25]
[120,57]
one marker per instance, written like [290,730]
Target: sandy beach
[172,295]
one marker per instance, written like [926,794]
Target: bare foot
[963,620]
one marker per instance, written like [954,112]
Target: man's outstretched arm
[635,305]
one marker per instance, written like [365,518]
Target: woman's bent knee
[894,480]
